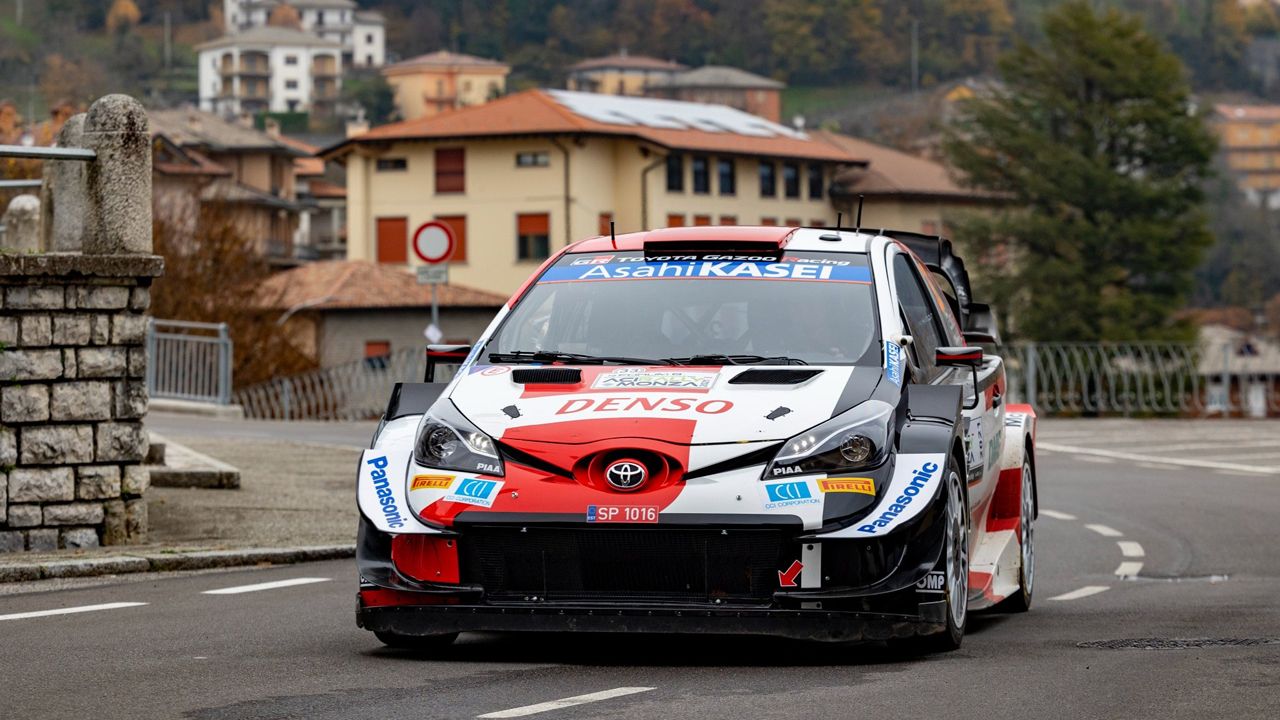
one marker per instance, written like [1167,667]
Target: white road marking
[1083,592]
[1157,466]
[1129,569]
[1115,455]
[566,702]
[1057,515]
[264,586]
[1105,530]
[70,610]
[1128,548]
[1235,473]
[1095,459]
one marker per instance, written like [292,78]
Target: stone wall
[73,324]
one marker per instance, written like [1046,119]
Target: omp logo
[934,582]
[866,486]
[382,487]
[431,482]
[473,491]
[787,494]
[919,481]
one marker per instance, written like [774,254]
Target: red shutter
[605,219]
[728,219]
[533,224]
[700,220]
[451,170]
[674,220]
[457,223]
[768,221]
[393,240]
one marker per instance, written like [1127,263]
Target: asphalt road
[1130,549]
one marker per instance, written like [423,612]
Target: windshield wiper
[735,360]
[548,356]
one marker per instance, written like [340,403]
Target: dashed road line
[1157,466]
[70,610]
[1128,569]
[1184,462]
[1083,592]
[1105,530]
[264,586]
[566,702]
[1057,515]
[1128,548]
[1095,459]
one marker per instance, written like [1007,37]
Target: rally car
[771,431]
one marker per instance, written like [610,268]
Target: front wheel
[956,566]
[416,642]
[1020,601]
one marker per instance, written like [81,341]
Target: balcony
[324,69]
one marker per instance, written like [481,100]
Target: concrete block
[120,442]
[136,479]
[137,362]
[100,362]
[24,403]
[100,329]
[71,329]
[113,523]
[135,521]
[97,482]
[8,447]
[140,298]
[131,399]
[55,444]
[12,541]
[36,331]
[24,516]
[76,513]
[128,329]
[22,224]
[78,538]
[41,484]
[34,297]
[118,182]
[20,365]
[101,297]
[42,540]
[83,400]
[8,331]
[70,368]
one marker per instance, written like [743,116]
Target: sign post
[433,243]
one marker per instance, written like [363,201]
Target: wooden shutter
[605,219]
[457,223]
[674,220]
[451,170]
[533,224]
[768,221]
[700,220]
[393,240]
[728,219]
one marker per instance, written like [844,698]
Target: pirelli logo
[866,486]
[431,482]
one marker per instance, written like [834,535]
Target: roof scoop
[762,241]
[547,376]
[774,376]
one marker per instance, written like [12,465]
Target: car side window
[921,316]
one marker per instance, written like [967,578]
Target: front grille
[603,564]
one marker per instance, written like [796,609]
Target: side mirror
[959,357]
[444,355]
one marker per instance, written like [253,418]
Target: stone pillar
[22,224]
[119,181]
[63,200]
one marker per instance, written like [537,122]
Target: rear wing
[937,254]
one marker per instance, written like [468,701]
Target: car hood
[684,405]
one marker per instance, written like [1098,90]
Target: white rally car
[740,430]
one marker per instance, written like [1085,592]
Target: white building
[271,69]
[362,34]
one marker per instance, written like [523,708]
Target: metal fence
[1203,379]
[354,391]
[1209,378]
[189,361]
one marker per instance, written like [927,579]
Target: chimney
[357,126]
[272,127]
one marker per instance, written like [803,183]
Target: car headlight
[855,440]
[448,441]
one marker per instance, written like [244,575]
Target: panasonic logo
[382,486]
[919,481]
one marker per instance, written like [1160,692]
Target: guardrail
[32,152]
[189,361]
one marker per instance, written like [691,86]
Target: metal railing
[189,361]
[36,152]
[352,391]
[1230,378]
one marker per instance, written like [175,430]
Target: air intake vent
[773,377]
[552,376]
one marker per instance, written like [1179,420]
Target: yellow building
[524,175]
[621,74]
[433,83]
[1250,139]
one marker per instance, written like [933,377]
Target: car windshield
[807,307]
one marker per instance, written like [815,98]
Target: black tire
[416,642]
[1020,601]
[955,565]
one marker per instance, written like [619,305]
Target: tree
[372,92]
[1094,140]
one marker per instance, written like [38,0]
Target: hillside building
[269,69]
[620,74]
[722,85]
[430,84]
[361,34]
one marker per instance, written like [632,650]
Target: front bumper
[815,625]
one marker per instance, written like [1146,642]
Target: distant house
[1249,136]
[360,34]
[247,172]
[1240,372]
[722,85]
[343,311]
[522,176]
[322,197]
[900,191]
[433,83]
[620,74]
[269,69]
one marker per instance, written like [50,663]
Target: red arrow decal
[788,578]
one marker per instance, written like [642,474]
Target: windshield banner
[710,269]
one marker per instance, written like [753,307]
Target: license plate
[622,513]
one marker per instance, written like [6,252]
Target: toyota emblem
[626,475]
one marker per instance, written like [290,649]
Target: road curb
[161,561]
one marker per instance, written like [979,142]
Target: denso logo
[646,404]
[383,487]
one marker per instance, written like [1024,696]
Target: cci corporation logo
[626,475]
[789,493]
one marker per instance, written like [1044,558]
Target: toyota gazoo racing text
[735,430]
